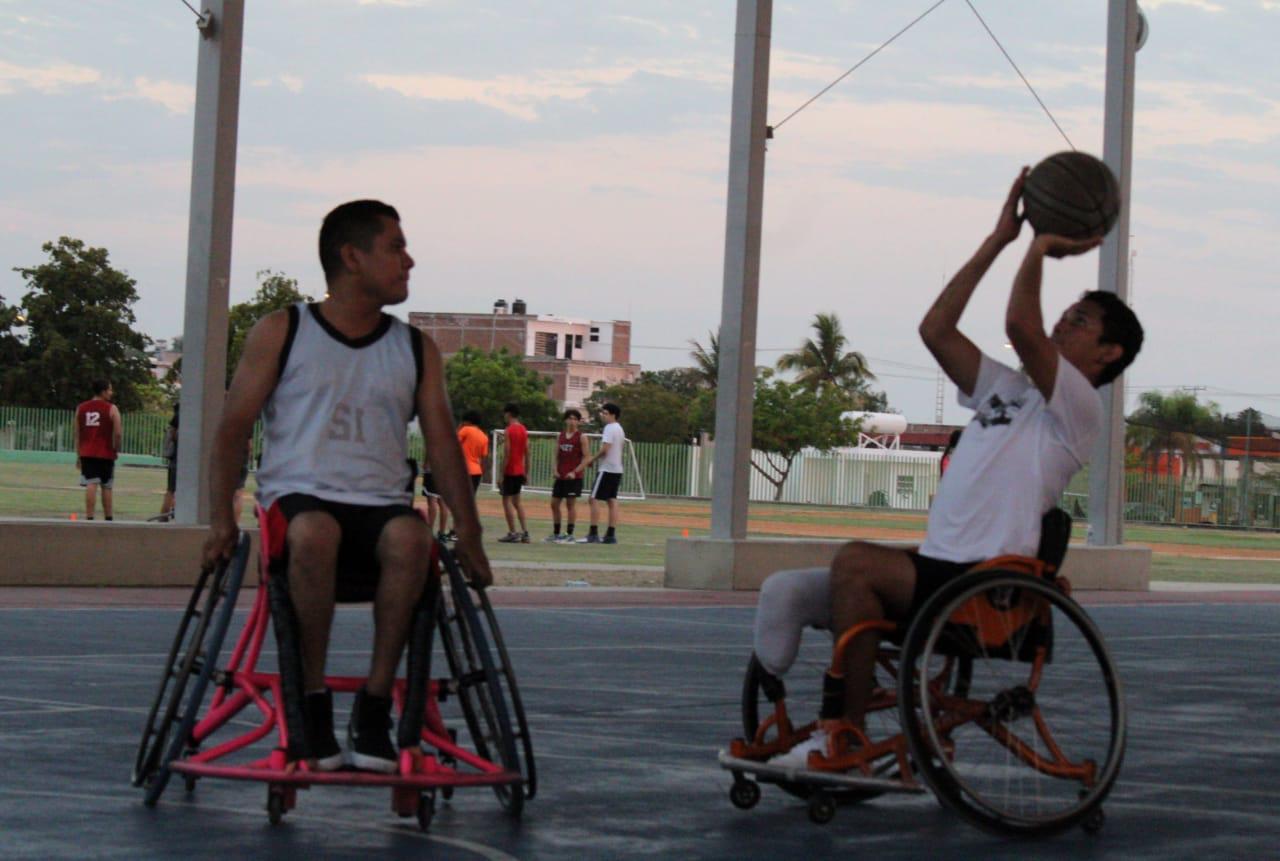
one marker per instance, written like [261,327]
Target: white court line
[1214,813]
[1134,638]
[256,812]
[599,615]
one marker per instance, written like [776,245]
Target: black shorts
[171,479]
[566,488]
[361,527]
[429,485]
[475,482]
[511,485]
[97,470]
[931,575]
[606,486]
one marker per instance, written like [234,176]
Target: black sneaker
[317,709]
[524,537]
[590,539]
[609,539]
[369,734]
[510,538]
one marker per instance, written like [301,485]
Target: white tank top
[336,426]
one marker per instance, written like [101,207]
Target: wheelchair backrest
[1055,533]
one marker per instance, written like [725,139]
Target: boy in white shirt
[608,476]
[1032,430]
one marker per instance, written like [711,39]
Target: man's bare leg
[108,510]
[404,552]
[313,538]
[508,511]
[868,582]
[613,513]
[90,499]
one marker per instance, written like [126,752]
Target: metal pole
[213,176]
[740,298]
[1106,476]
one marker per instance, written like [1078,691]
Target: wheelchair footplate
[782,774]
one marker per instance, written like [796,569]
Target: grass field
[1188,554]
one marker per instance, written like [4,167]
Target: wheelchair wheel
[194,654]
[507,679]
[479,686]
[1033,742]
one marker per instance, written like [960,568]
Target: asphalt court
[628,706]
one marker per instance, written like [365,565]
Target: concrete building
[575,353]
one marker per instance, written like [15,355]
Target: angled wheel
[479,687]
[507,680]
[190,665]
[1034,742]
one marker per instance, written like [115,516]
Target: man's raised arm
[959,357]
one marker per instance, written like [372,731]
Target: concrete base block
[725,564]
[98,553]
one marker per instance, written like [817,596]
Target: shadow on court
[627,707]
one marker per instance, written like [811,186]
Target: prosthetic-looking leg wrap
[418,663]
[789,602]
[285,622]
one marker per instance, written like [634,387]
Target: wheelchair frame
[973,619]
[485,687]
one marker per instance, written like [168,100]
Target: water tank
[500,307]
[518,306]
[877,424]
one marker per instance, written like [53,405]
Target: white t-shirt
[612,460]
[1012,463]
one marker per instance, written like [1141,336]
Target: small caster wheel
[1093,823]
[275,806]
[744,794]
[822,808]
[426,810]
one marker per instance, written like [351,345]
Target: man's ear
[350,257]
[1109,353]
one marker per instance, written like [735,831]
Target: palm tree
[822,360]
[707,360]
[1170,425]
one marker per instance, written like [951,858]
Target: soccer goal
[541,460]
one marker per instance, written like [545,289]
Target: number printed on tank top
[340,426]
[92,419]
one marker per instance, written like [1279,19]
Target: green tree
[275,291]
[487,381]
[1170,425]
[790,417]
[11,346]
[79,319]
[823,362]
[706,360]
[650,412]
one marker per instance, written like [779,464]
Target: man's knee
[313,538]
[404,546]
[854,565]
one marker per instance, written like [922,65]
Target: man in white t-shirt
[608,476]
[1031,431]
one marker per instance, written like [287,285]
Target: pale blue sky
[573,154]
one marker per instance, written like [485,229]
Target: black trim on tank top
[294,317]
[354,343]
[415,344]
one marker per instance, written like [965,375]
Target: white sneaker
[798,756]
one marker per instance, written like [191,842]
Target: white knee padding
[789,602]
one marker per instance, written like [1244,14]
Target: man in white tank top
[336,384]
[1031,431]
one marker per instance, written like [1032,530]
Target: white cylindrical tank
[876,424]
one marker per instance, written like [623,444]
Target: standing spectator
[475,450]
[169,451]
[436,509]
[99,436]
[608,476]
[571,448]
[513,476]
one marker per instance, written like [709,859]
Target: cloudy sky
[573,153]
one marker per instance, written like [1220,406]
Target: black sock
[555,528]
[609,534]
[568,530]
[593,531]
[106,518]
[89,517]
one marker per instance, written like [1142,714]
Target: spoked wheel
[507,680]
[191,663]
[756,706]
[479,684]
[1034,743]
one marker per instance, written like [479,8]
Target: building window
[595,334]
[578,382]
[577,342]
[905,485]
[545,343]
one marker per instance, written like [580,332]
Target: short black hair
[100,385]
[355,223]
[612,409]
[471,417]
[1119,326]
[572,413]
[512,410]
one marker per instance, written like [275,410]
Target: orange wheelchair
[1000,696]
[466,728]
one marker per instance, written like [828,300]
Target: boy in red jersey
[513,476]
[571,448]
[99,435]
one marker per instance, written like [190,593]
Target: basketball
[1071,194]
